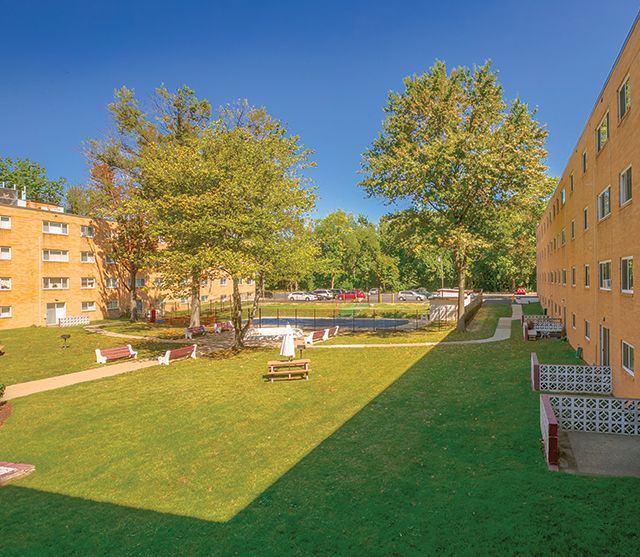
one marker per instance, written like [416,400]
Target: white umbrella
[288,346]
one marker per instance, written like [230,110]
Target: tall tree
[25,173]
[458,154]
[86,201]
[178,118]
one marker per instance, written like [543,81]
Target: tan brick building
[54,265]
[589,237]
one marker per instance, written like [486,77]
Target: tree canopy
[25,173]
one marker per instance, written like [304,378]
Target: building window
[604,203]
[5,312]
[5,222]
[573,320]
[204,282]
[109,260]
[157,281]
[87,231]
[584,162]
[587,330]
[587,277]
[204,298]
[563,236]
[573,229]
[5,253]
[249,281]
[602,133]
[112,305]
[87,257]
[564,277]
[223,298]
[571,183]
[626,274]
[140,282]
[563,196]
[5,283]
[585,218]
[111,283]
[573,276]
[626,190]
[223,282]
[58,255]
[624,100]
[55,283]
[184,300]
[88,306]
[628,357]
[50,227]
[605,275]
[87,282]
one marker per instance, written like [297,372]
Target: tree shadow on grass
[445,461]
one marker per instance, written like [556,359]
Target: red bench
[190,331]
[223,326]
[178,354]
[333,331]
[104,355]
[316,336]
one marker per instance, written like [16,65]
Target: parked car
[374,292]
[351,295]
[302,296]
[324,294]
[411,296]
[522,291]
[336,291]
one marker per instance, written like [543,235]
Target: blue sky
[323,67]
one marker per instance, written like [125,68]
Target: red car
[351,295]
[522,291]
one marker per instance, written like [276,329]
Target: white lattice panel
[599,415]
[73,321]
[576,379]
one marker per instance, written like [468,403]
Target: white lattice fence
[73,321]
[575,379]
[600,415]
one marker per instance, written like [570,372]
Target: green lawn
[383,452]
[483,325]
[36,352]
[532,309]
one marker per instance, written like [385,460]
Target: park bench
[190,331]
[223,326]
[317,336]
[333,331]
[178,354]
[287,369]
[104,355]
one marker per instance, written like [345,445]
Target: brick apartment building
[589,236]
[54,265]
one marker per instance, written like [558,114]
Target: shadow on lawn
[446,460]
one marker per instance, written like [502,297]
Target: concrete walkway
[502,332]
[100,331]
[31,387]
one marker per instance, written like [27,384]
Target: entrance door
[605,352]
[56,311]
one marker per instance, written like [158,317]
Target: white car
[406,295]
[302,296]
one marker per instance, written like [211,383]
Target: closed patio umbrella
[288,346]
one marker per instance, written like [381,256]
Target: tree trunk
[461,326]
[239,329]
[333,281]
[133,296]
[194,321]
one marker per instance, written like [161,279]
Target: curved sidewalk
[502,332]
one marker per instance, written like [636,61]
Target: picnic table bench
[288,369]
[190,331]
[177,354]
[104,355]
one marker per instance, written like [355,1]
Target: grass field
[383,452]
[36,352]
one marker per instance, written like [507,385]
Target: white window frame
[83,279]
[8,281]
[111,283]
[585,218]
[90,254]
[627,97]
[84,307]
[564,277]
[573,276]
[109,260]
[573,229]
[48,280]
[625,365]
[5,222]
[625,200]
[223,281]
[606,190]
[573,321]
[623,274]
[6,312]
[587,276]
[587,330]
[5,250]
[204,298]
[85,229]
[600,279]
[604,124]
[46,227]
[46,255]
[585,165]
[113,305]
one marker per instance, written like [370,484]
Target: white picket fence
[73,321]
[596,414]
